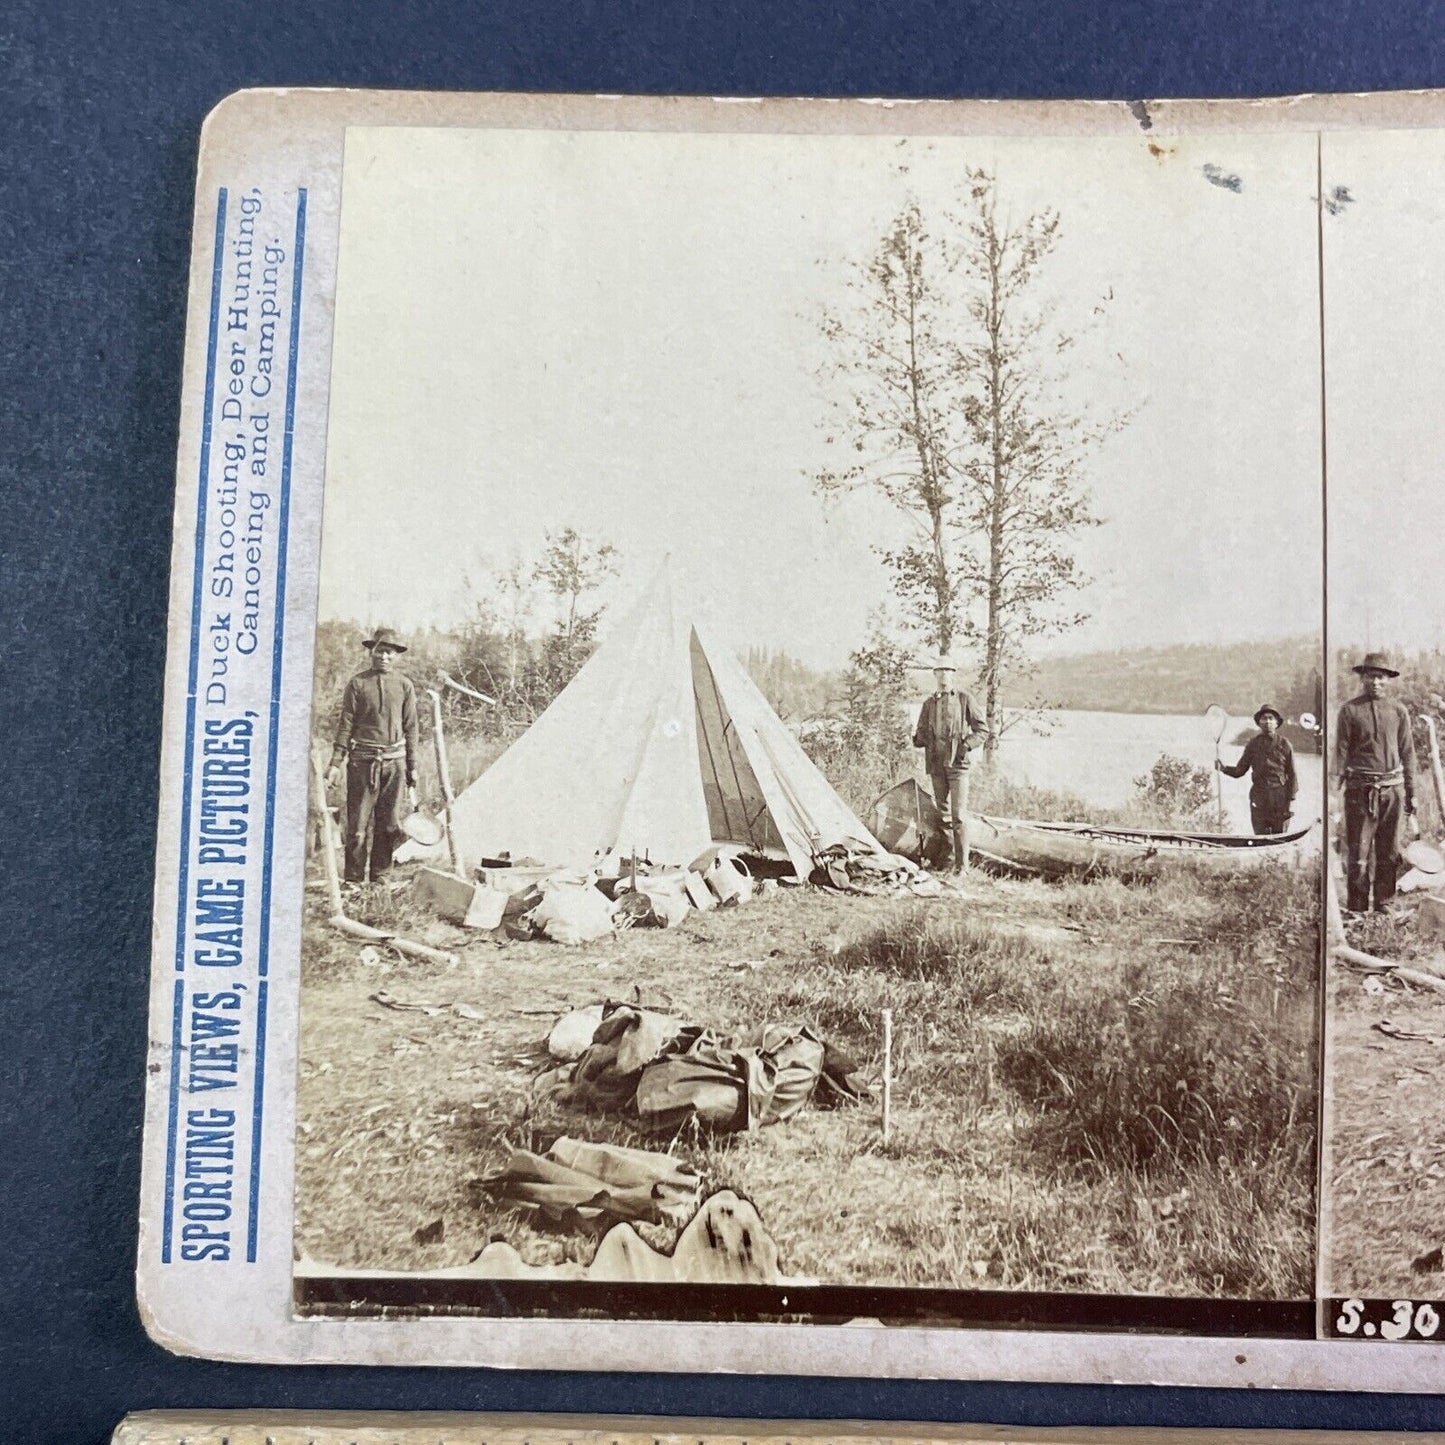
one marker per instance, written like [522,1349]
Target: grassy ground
[1385,1154]
[1098,1087]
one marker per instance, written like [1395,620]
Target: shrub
[869,747]
[1175,792]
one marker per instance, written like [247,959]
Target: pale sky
[619,332]
[1385,335]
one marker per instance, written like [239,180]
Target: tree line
[533,623]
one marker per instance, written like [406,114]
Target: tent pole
[1436,775]
[445,776]
[328,834]
[338,918]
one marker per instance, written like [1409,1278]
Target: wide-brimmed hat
[1376,662]
[1270,708]
[939,664]
[385,637]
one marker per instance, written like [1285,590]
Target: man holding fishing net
[948,729]
[1269,760]
[1375,749]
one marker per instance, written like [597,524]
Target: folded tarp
[590,1181]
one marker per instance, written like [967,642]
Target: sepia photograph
[818,722]
[1384,1177]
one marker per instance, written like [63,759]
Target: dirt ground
[402,1110]
[1385,1127]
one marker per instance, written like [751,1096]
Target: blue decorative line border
[192,675]
[258,1097]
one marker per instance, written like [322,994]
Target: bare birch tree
[892,395]
[1021,464]
[948,384]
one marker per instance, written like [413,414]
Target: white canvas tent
[661,745]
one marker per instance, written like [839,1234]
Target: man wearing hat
[1269,760]
[1375,748]
[377,739]
[948,728]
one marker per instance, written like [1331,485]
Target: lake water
[1097,755]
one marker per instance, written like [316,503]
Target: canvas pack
[802,736]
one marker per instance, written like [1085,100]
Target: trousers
[1373,817]
[374,789]
[950,792]
[1269,809]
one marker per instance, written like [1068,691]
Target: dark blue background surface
[99,113]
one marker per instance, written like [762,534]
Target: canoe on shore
[1056,850]
[906,813]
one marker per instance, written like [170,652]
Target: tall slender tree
[949,383]
[1021,463]
[892,393]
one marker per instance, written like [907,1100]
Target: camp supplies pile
[585,1182]
[577,907]
[848,869]
[666,1072]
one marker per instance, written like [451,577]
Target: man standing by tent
[948,728]
[1376,756]
[377,739]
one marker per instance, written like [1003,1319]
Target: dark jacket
[948,724]
[378,719]
[1374,743]
[1269,760]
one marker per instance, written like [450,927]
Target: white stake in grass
[887,1072]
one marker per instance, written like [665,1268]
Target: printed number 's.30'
[1423,1319]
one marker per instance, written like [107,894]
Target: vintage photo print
[1384,1170]
[828,569]
[750,738]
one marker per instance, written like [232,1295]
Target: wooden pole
[1334,919]
[960,823]
[1436,773]
[887,1072]
[1214,709]
[327,824]
[439,738]
[338,918]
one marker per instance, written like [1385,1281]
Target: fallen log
[1425,980]
[412,949]
[1346,954]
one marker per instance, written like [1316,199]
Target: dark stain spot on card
[1226,180]
[1140,111]
[1160,152]
[1337,199]
[1239,1359]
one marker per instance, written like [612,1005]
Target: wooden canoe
[906,813]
